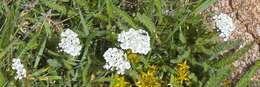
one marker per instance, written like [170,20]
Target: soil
[246,16]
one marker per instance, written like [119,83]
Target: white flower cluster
[136,40]
[70,43]
[20,71]
[224,24]
[116,59]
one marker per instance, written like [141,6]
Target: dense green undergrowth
[180,37]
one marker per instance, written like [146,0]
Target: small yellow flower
[133,57]
[183,73]
[149,79]
[120,82]
[227,83]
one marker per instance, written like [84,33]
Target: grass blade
[1,79]
[83,22]
[125,17]
[203,6]
[40,53]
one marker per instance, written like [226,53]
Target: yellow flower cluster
[183,73]
[120,82]
[133,57]
[149,79]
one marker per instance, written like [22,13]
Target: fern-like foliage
[222,47]
[232,57]
[245,80]
[217,77]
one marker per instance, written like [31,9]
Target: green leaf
[55,6]
[227,45]
[125,17]
[158,5]
[245,80]
[109,5]
[147,22]
[231,58]
[39,56]
[83,22]
[102,79]
[48,78]
[101,17]
[65,0]
[182,37]
[3,53]
[30,45]
[219,76]
[2,80]
[39,72]
[54,63]
[203,6]
[47,28]
[81,3]
[85,72]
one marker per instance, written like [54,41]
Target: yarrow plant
[70,43]
[20,70]
[116,59]
[138,41]
[225,25]
[183,52]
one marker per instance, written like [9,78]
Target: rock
[246,16]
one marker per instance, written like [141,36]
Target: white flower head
[224,24]
[70,43]
[136,40]
[116,60]
[20,71]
